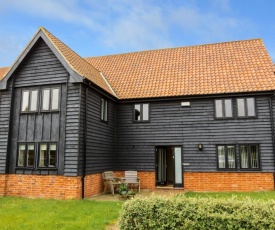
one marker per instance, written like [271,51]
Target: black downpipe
[272,132]
[84,150]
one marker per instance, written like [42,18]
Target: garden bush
[180,212]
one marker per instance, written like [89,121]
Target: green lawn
[20,213]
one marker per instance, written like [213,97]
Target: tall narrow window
[52,155]
[223,108]
[55,99]
[30,155]
[249,156]
[246,107]
[25,101]
[34,99]
[43,155]
[21,155]
[141,112]
[46,100]
[104,110]
[226,156]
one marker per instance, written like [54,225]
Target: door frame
[178,185]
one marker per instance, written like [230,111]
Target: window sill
[35,169]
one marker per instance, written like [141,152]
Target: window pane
[30,155]
[55,99]
[240,107]
[221,156]
[43,155]
[231,157]
[106,111]
[254,155]
[102,109]
[34,95]
[145,112]
[218,107]
[52,155]
[228,107]
[21,155]
[250,107]
[25,101]
[137,112]
[244,156]
[46,99]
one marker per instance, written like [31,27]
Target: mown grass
[239,195]
[20,213]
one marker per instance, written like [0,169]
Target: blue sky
[95,28]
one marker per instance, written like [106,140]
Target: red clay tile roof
[77,63]
[230,67]
[3,71]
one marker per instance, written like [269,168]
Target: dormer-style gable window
[29,100]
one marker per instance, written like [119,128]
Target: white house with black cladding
[199,118]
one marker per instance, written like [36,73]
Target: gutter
[84,147]
[272,131]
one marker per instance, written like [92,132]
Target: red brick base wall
[63,187]
[93,185]
[227,181]
[43,186]
[2,184]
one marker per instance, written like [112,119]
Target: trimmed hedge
[180,212]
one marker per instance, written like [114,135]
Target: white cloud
[138,25]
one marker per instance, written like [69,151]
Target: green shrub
[180,212]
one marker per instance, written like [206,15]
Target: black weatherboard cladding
[171,124]
[39,69]
[100,135]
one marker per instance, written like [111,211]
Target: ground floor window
[226,156]
[37,155]
[47,155]
[248,157]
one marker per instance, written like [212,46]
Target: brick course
[43,186]
[2,184]
[228,181]
[63,187]
[93,185]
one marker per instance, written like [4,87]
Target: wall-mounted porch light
[200,147]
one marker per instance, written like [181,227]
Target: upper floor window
[249,156]
[223,108]
[50,99]
[29,100]
[104,110]
[246,107]
[226,156]
[141,112]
